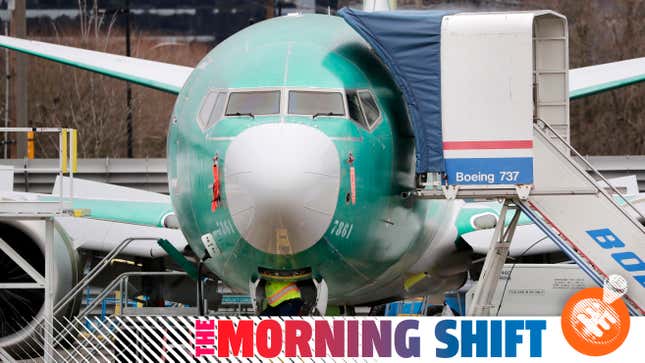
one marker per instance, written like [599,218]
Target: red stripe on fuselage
[480,145]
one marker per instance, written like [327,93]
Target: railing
[116,283]
[85,281]
[67,164]
[121,283]
[31,207]
[148,174]
[541,126]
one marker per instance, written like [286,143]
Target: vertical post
[62,162]
[201,311]
[495,259]
[73,162]
[31,151]
[124,296]
[119,299]
[49,290]
[19,30]
[270,8]
[6,92]
[128,94]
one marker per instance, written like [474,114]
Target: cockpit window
[354,105]
[207,107]
[363,108]
[370,109]
[316,103]
[212,108]
[253,103]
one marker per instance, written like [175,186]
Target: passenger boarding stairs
[501,74]
[597,228]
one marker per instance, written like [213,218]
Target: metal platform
[46,212]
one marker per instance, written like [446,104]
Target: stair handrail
[108,289]
[113,285]
[539,123]
[89,277]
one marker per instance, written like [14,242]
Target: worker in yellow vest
[283,298]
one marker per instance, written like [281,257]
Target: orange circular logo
[595,321]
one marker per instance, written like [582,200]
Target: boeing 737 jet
[288,151]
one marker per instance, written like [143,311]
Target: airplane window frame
[364,123]
[354,93]
[212,118]
[321,90]
[216,114]
[370,125]
[231,92]
[201,114]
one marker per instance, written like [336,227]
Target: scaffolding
[44,211]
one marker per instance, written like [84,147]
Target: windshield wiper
[327,114]
[241,114]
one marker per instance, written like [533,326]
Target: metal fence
[145,174]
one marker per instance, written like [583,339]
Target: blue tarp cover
[408,43]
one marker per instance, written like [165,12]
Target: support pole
[128,90]
[49,290]
[495,259]
[201,309]
[19,30]
[7,76]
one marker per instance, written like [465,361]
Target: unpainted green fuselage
[369,245]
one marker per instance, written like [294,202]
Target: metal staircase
[598,229]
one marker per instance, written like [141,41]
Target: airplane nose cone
[281,184]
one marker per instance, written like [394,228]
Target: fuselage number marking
[224,228]
[342,229]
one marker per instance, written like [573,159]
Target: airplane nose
[281,185]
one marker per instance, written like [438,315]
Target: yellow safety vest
[279,291]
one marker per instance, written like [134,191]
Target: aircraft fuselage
[312,148]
